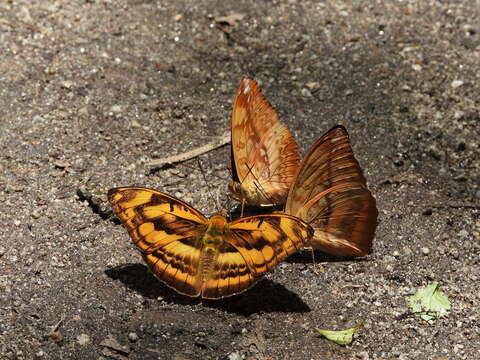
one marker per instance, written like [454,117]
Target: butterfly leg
[314,263]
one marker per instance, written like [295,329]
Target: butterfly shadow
[305,257]
[139,279]
[265,296]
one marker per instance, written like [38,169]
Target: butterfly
[265,156]
[196,256]
[330,193]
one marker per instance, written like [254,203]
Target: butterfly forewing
[330,193]
[265,155]
[167,231]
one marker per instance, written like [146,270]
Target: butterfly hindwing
[265,240]
[265,155]
[330,193]
[255,245]
[168,233]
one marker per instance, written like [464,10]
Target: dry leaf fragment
[230,20]
[113,348]
[341,337]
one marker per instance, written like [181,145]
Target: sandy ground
[91,90]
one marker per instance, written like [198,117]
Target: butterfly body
[265,156]
[196,256]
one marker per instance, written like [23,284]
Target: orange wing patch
[200,257]
[330,193]
[265,155]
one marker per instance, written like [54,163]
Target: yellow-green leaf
[341,337]
[429,303]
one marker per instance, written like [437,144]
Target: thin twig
[214,144]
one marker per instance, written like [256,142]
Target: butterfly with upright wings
[330,193]
[196,256]
[327,189]
[265,155]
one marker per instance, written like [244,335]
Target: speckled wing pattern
[201,257]
[265,155]
[255,245]
[166,231]
[330,193]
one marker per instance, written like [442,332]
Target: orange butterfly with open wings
[196,256]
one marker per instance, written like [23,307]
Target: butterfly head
[236,189]
[251,196]
[217,233]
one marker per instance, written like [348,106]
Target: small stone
[458,114]
[178,17]
[407,251]
[306,93]
[135,124]
[396,254]
[133,337]
[427,212]
[116,109]
[425,250]
[235,356]
[463,233]
[35,214]
[457,83]
[67,84]
[417,67]
[83,339]
[313,85]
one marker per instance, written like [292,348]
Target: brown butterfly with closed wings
[330,193]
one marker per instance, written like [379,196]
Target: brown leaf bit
[229,20]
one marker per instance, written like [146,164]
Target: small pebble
[427,212]
[235,356]
[457,83]
[35,214]
[306,93]
[425,250]
[116,109]
[463,233]
[133,337]
[83,339]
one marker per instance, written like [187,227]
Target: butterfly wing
[167,231]
[255,245]
[330,193]
[265,155]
